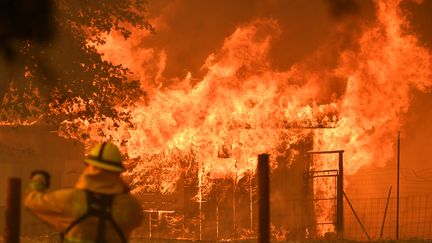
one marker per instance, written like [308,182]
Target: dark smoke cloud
[421,19]
[342,8]
[22,20]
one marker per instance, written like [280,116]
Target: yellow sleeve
[50,207]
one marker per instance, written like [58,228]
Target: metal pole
[358,219]
[234,202]
[234,207]
[200,174]
[200,214]
[183,226]
[217,221]
[340,192]
[250,202]
[11,232]
[263,199]
[150,225]
[385,213]
[397,191]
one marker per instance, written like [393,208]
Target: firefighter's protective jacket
[62,207]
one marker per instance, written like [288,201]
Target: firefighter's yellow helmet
[105,156]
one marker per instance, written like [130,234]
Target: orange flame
[243,106]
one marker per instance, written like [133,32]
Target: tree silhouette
[49,64]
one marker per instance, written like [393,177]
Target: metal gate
[326,190]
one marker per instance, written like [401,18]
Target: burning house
[229,209]
[300,206]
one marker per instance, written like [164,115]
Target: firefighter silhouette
[99,209]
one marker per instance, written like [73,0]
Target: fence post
[12,211]
[263,199]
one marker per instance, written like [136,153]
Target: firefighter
[99,209]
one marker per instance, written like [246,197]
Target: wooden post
[263,199]
[11,232]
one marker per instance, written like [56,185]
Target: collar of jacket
[101,181]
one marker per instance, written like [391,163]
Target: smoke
[342,8]
[187,32]
[23,20]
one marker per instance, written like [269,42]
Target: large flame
[243,106]
[380,74]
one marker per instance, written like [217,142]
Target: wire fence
[415,218]
[366,191]
[415,221]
